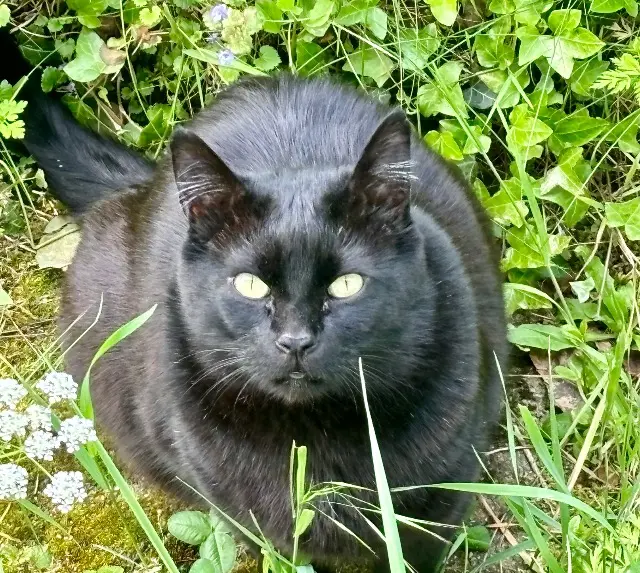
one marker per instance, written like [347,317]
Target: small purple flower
[225,57]
[218,13]
[212,38]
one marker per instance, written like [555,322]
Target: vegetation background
[536,101]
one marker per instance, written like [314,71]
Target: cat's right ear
[214,200]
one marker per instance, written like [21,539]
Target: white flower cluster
[41,444]
[13,482]
[76,432]
[11,392]
[39,417]
[12,424]
[58,386]
[65,489]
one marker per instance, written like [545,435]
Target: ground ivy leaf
[417,45]
[370,63]
[431,96]
[51,79]
[268,59]
[444,144]
[87,65]
[625,214]
[149,17]
[445,11]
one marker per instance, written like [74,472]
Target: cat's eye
[346,285]
[250,286]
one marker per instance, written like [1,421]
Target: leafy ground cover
[537,102]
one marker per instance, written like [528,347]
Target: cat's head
[289,277]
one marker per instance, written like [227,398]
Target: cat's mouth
[297,386]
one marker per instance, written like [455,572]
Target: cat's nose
[298,343]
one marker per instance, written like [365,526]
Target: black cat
[294,227]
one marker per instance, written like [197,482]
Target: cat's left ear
[380,186]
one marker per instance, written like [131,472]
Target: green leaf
[533,45]
[445,11]
[318,19]
[354,12]
[585,74]
[268,60]
[203,566]
[516,297]
[417,45]
[444,144]
[607,6]
[544,336]
[5,15]
[478,538]
[51,79]
[575,131]
[58,244]
[310,58]
[561,21]
[506,207]
[581,43]
[219,548]
[5,298]
[304,521]
[192,527]
[494,48]
[443,94]
[376,22]
[150,16]
[370,63]
[625,214]
[87,65]
[525,250]
[271,16]
[525,129]
[582,289]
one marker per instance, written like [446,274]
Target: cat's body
[199,393]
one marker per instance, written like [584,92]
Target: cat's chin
[297,388]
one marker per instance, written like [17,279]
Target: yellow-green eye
[346,285]
[250,286]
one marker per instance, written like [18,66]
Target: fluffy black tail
[81,167]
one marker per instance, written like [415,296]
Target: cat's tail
[82,167]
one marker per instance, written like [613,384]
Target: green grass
[537,103]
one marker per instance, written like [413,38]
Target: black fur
[296,181]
